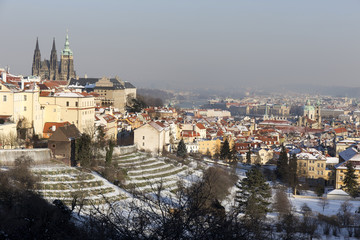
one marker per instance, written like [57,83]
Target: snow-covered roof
[332,160]
[337,192]
[348,153]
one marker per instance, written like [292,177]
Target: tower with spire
[53,62]
[53,69]
[66,70]
[36,60]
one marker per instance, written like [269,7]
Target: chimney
[3,76]
[53,128]
[22,84]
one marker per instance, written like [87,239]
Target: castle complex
[53,69]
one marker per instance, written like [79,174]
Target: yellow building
[21,104]
[349,155]
[312,166]
[76,108]
[341,169]
[209,146]
[109,91]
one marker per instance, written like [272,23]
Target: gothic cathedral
[53,69]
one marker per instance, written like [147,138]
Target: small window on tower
[67,104]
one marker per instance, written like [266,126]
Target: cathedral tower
[53,62]
[66,70]
[51,69]
[36,60]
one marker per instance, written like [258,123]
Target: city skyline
[202,44]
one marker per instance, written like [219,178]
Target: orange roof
[200,126]
[48,126]
[108,118]
[189,133]
[44,94]
[340,130]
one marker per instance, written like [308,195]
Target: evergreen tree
[253,195]
[350,181]
[109,151]
[282,166]
[100,137]
[248,156]
[233,154]
[293,177]
[83,151]
[225,150]
[181,150]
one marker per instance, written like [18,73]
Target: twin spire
[66,51]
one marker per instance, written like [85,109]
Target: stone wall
[8,156]
[124,150]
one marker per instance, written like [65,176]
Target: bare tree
[12,140]
[3,140]
[323,202]
[281,202]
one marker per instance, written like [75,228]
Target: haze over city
[192,44]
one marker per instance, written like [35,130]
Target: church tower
[36,60]
[53,62]
[66,70]
[318,112]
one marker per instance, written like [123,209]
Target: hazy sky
[196,43]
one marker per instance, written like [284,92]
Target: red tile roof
[48,126]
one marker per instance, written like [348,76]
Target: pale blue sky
[203,43]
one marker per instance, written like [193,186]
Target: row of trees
[90,145]
[10,140]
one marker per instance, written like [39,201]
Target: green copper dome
[67,51]
[308,107]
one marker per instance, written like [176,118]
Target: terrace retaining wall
[39,155]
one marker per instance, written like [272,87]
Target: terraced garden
[146,172]
[67,183]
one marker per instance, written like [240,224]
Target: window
[25,109]
[76,104]
[143,137]
[318,164]
[25,98]
[53,145]
[304,164]
[341,177]
[67,103]
[143,144]
[54,109]
[4,98]
[322,165]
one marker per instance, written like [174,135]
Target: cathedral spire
[53,46]
[37,45]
